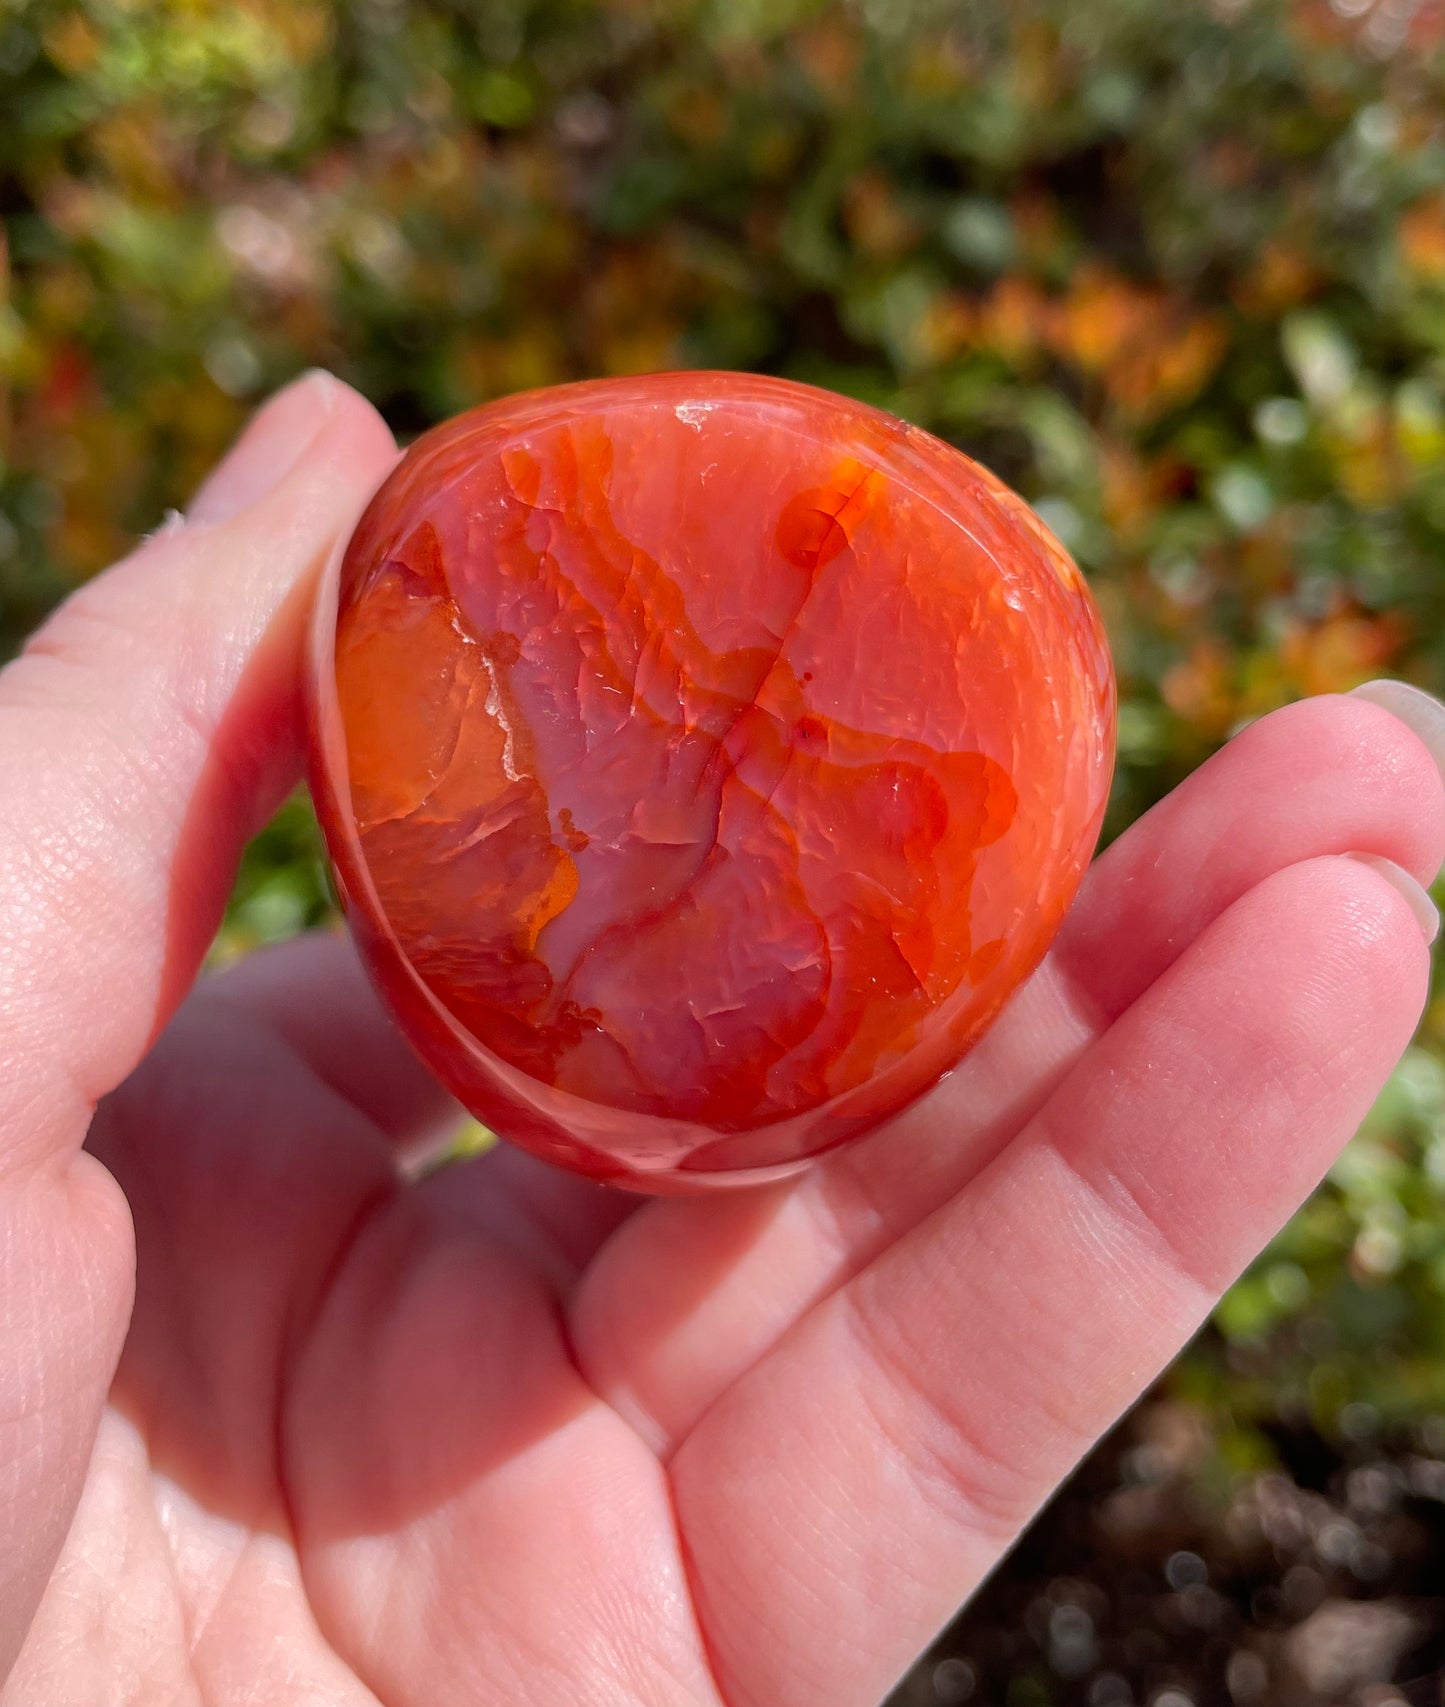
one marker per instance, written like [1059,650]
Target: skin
[283,1420]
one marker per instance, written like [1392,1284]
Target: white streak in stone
[495,711]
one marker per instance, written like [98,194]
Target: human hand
[501,1435]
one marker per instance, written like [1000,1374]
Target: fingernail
[1420,904]
[1416,709]
[278,436]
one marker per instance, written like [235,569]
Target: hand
[498,1435]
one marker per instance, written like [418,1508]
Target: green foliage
[1183,285]
[1347,1307]
[282,887]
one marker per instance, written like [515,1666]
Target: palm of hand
[495,1434]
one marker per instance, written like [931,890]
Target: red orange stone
[704,760]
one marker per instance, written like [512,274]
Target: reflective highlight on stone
[704,760]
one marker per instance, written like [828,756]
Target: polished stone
[704,761]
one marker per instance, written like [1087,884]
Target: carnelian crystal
[704,760]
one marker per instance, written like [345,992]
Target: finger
[247,1175]
[463,1504]
[1322,777]
[312,993]
[252,1143]
[403,1342]
[145,731]
[566,1216]
[841,1500]
[1136,911]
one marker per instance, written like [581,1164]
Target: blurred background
[1174,268]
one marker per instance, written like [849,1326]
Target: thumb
[145,733]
